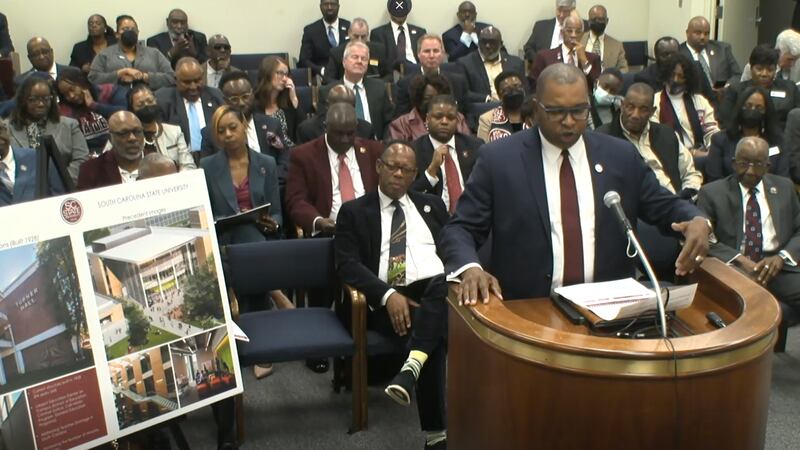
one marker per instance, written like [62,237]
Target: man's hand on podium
[476,285]
[695,247]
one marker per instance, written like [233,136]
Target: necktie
[4,178]
[453,183]
[331,36]
[346,188]
[571,59]
[195,138]
[753,239]
[570,224]
[397,247]
[359,104]
[401,45]
[706,69]
[596,46]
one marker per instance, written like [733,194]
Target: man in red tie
[571,52]
[444,157]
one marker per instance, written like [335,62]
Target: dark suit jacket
[308,190]
[478,81]
[171,103]
[6,46]
[452,41]
[379,64]
[358,240]
[99,172]
[384,35]
[314,46]
[554,55]
[541,37]
[467,149]
[381,110]
[458,84]
[25,179]
[19,79]
[270,138]
[784,94]
[722,201]
[506,196]
[314,127]
[263,178]
[83,52]
[719,163]
[163,43]
[722,64]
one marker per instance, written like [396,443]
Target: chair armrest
[299,230]
[358,311]
[234,302]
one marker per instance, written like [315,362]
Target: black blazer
[467,149]
[357,243]
[785,96]
[379,64]
[542,36]
[171,103]
[83,53]
[314,127]
[477,79]
[384,35]
[6,46]
[315,50]
[381,109]
[163,43]
[452,41]
[402,100]
[19,79]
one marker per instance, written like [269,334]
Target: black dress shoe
[400,387]
[317,365]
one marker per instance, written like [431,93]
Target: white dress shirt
[769,237]
[213,76]
[701,54]
[362,92]
[422,262]
[557,39]
[469,39]
[10,164]
[128,177]
[565,52]
[252,136]
[453,154]
[355,174]
[409,49]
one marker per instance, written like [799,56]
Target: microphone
[613,202]
[715,319]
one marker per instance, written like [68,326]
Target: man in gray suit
[756,218]
[715,58]
[610,50]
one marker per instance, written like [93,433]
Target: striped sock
[414,362]
[434,437]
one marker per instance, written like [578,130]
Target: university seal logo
[71,211]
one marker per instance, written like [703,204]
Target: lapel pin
[23,168]
[413,31]
[263,172]
[263,127]
[426,208]
[465,153]
[773,190]
[209,105]
[598,168]
[712,52]
[362,150]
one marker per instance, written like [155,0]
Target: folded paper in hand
[249,216]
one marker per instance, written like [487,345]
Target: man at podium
[540,194]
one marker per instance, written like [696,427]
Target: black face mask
[751,118]
[129,38]
[149,114]
[512,100]
[597,28]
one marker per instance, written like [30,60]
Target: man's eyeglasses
[222,47]
[122,134]
[238,98]
[558,114]
[392,168]
[44,99]
[744,165]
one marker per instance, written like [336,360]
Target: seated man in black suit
[483,66]
[546,34]
[430,52]
[179,40]
[402,278]
[190,104]
[321,36]
[398,36]
[716,59]
[379,65]
[444,157]
[756,218]
[40,54]
[314,127]
[462,39]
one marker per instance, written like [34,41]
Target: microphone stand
[651,275]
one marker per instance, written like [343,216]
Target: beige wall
[268,25]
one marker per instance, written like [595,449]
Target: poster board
[114,314]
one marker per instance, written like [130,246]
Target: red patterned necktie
[570,224]
[345,180]
[753,239]
[453,182]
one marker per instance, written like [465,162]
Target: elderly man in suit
[190,104]
[398,36]
[18,172]
[570,52]
[756,218]
[546,34]
[715,58]
[379,64]
[462,39]
[179,40]
[540,193]
[610,50]
[321,36]
[121,163]
[483,66]
[386,247]
[40,55]
[444,158]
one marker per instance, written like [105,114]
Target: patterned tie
[596,46]
[454,189]
[359,104]
[706,69]
[401,45]
[397,247]
[195,138]
[571,59]
[570,224]
[331,36]
[753,239]
[4,178]
[346,188]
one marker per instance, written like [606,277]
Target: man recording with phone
[180,40]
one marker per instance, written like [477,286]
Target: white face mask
[603,98]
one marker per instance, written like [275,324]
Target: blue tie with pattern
[331,36]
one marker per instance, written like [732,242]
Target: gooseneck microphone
[613,201]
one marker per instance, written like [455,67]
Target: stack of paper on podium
[620,299]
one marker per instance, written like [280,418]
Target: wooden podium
[521,376]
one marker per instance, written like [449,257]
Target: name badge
[774,151]
[374,62]
[777,94]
